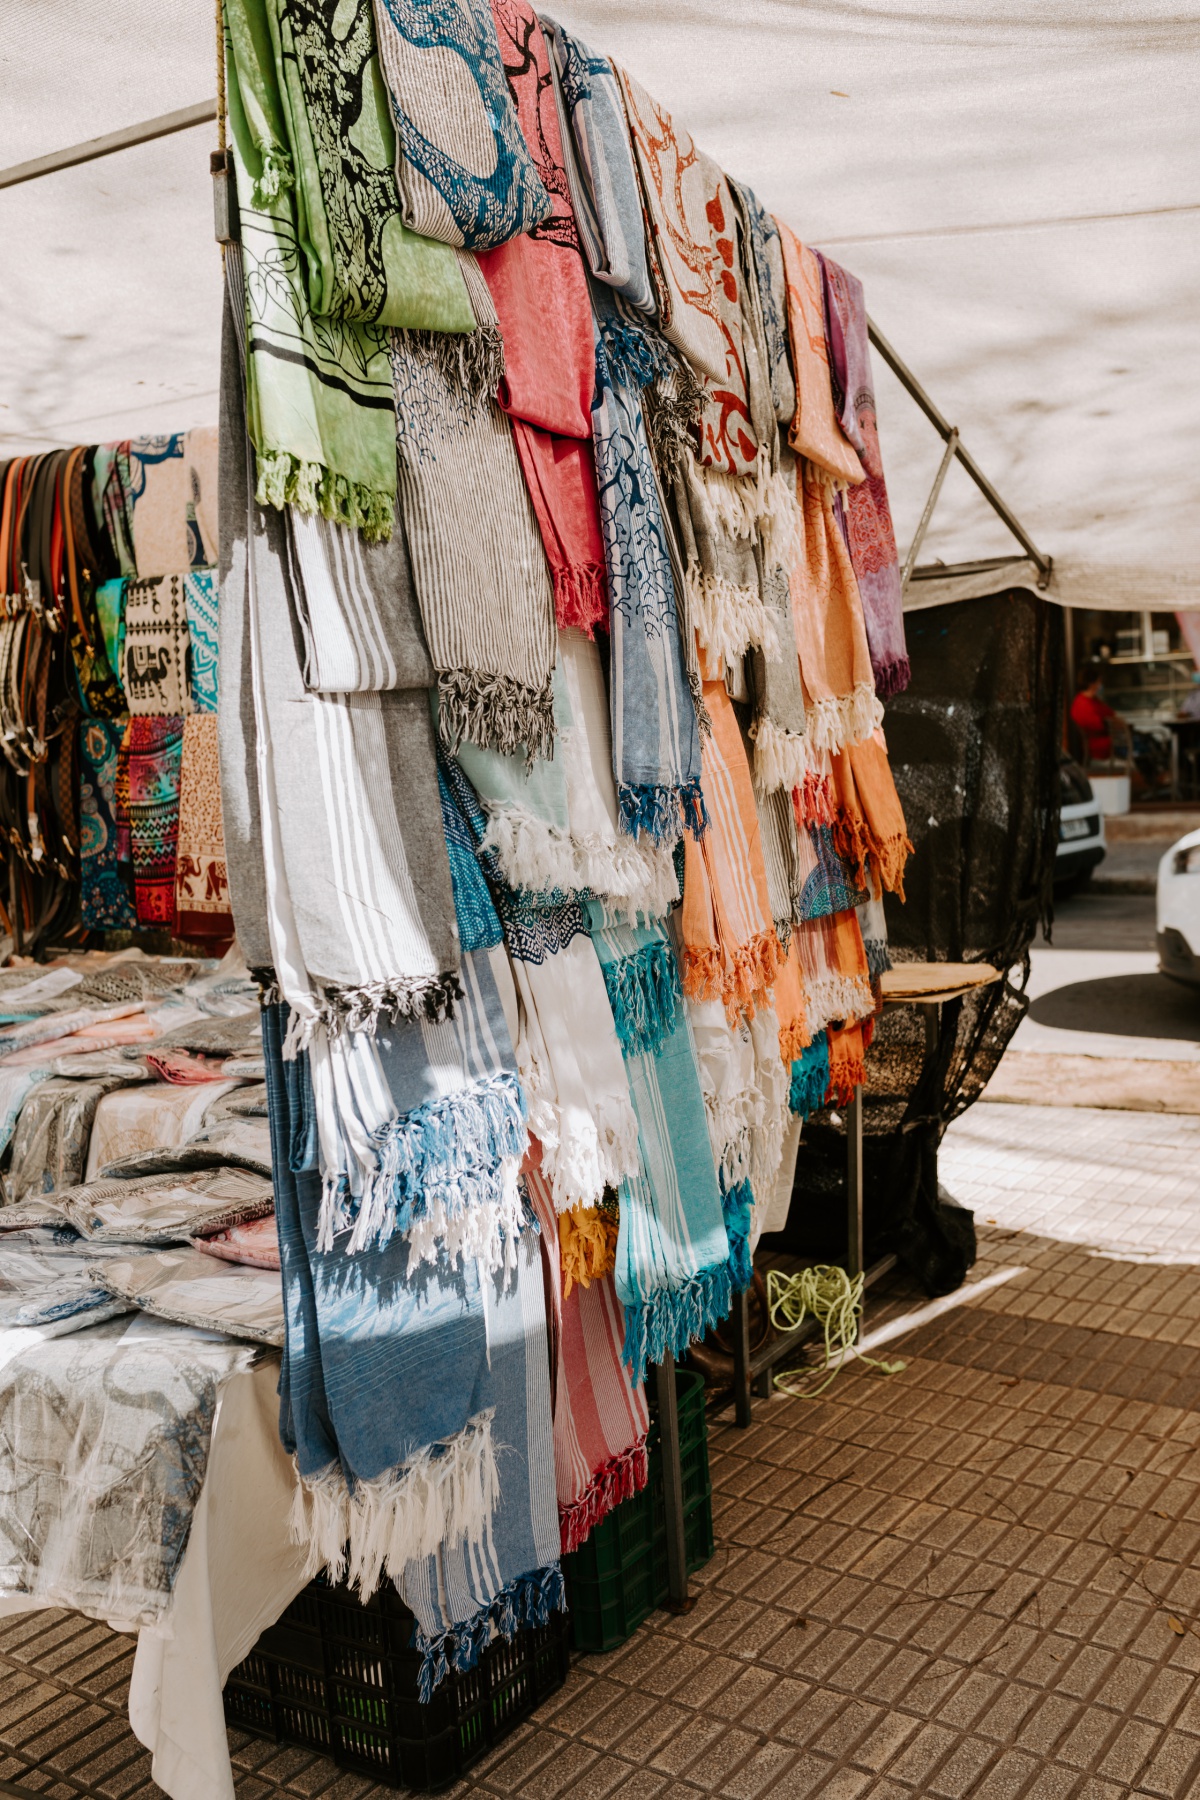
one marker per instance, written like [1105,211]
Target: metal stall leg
[668,1426]
[739,1319]
[854,1186]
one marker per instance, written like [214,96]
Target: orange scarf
[790,1010]
[848,1046]
[870,820]
[814,431]
[840,707]
[833,964]
[730,950]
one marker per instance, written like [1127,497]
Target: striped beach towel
[833,964]
[600,1416]
[356,610]
[469,1593]
[730,948]
[486,599]
[391,1465]
[672,1270]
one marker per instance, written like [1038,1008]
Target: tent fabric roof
[1016,186]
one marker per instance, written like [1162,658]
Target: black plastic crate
[619,1576]
[340,1678]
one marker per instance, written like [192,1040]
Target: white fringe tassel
[836,998]
[446,1494]
[485,1232]
[729,619]
[781,758]
[631,875]
[837,721]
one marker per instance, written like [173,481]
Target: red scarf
[539,286]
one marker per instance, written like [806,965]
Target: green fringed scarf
[319,403]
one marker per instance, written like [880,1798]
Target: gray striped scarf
[482,581]
[356,611]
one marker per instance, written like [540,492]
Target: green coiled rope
[827,1294]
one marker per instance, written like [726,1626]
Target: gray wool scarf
[481,576]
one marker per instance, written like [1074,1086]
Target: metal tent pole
[125,139]
[668,1428]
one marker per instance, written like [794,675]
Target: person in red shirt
[1099,723]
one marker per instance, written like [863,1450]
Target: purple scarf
[866,516]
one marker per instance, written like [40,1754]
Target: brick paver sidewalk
[974,1578]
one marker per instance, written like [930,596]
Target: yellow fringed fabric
[587,1243]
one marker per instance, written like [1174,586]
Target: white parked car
[1178,910]
[1081,844]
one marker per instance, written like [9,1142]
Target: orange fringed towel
[848,1046]
[794,1035]
[730,949]
[870,820]
[814,431]
[587,1246]
[840,706]
[833,964]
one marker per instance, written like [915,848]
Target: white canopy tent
[1016,186]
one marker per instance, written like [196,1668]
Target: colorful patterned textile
[604,194]
[655,738]
[105,899]
[478,922]
[155,669]
[362,261]
[815,432]
[486,599]
[201,598]
[767,253]
[112,488]
[355,1404]
[319,405]
[154,759]
[731,950]
[464,173]
[835,662]
[200,457]
[110,608]
[672,1271]
[600,1416]
[159,490]
[201,884]
[869,530]
[694,258]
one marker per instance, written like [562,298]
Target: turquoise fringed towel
[810,1077]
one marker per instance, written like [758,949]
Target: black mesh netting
[974,746]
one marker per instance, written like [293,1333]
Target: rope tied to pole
[835,1300]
